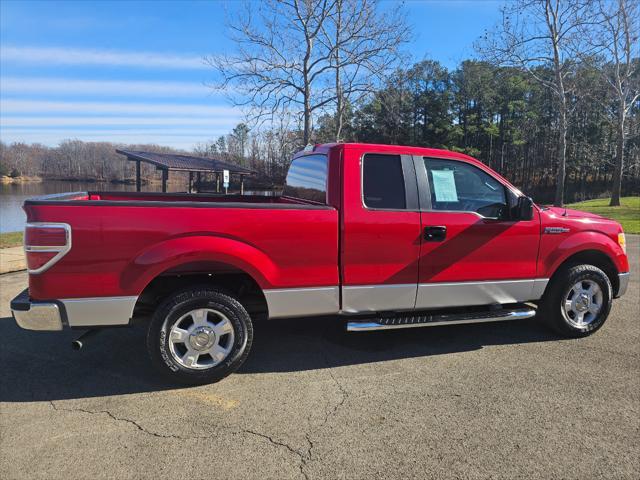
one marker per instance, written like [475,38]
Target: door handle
[435,234]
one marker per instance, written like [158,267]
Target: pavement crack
[343,398]
[117,419]
[272,440]
[303,458]
[344,394]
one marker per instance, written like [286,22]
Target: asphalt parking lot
[504,400]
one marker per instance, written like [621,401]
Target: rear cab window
[383,183]
[307,178]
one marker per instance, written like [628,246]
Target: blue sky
[132,72]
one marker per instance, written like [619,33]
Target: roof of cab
[324,148]
[382,148]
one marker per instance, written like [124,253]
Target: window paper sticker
[444,185]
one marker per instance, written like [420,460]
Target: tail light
[45,244]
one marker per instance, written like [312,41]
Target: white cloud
[44,86]
[108,132]
[80,56]
[83,121]
[22,107]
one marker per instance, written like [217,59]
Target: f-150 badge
[556,230]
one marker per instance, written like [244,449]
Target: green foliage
[10,239]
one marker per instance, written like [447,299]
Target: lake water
[12,217]
[12,196]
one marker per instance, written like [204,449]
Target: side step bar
[429,320]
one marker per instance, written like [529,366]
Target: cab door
[472,252]
[380,238]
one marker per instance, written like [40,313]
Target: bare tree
[616,42]
[279,65]
[364,45]
[305,56]
[542,33]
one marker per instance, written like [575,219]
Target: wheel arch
[224,277]
[594,257]
[179,263]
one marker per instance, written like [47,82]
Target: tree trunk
[339,111]
[307,91]
[306,138]
[339,99]
[617,173]
[562,156]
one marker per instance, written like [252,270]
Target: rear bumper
[36,315]
[72,312]
[623,283]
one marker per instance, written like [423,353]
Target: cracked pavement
[504,400]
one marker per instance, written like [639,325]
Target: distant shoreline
[7,180]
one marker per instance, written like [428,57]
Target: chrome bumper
[623,283]
[71,312]
[35,315]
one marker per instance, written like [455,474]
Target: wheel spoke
[223,327]
[199,316]
[190,358]
[179,335]
[568,305]
[580,318]
[594,308]
[218,353]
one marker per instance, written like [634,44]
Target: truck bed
[122,240]
[153,199]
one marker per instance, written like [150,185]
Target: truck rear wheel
[199,336]
[577,301]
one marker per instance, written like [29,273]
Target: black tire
[174,309]
[552,310]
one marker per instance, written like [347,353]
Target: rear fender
[175,252]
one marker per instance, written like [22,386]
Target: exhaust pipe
[81,341]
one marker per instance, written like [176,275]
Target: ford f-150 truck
[386,236]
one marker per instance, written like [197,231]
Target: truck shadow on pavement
[39,366]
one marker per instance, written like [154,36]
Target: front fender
[554,253]
[174,252]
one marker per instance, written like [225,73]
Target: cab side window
[459,186]
[383,182]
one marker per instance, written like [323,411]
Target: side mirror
[524,209]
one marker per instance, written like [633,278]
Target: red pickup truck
[386,236]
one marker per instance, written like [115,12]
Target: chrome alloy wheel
[201,339]
[583,303]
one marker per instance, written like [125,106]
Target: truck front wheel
[199,336]
[577,301]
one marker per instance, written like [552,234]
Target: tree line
[267,153]
[73,160]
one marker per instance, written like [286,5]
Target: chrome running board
[424,319]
